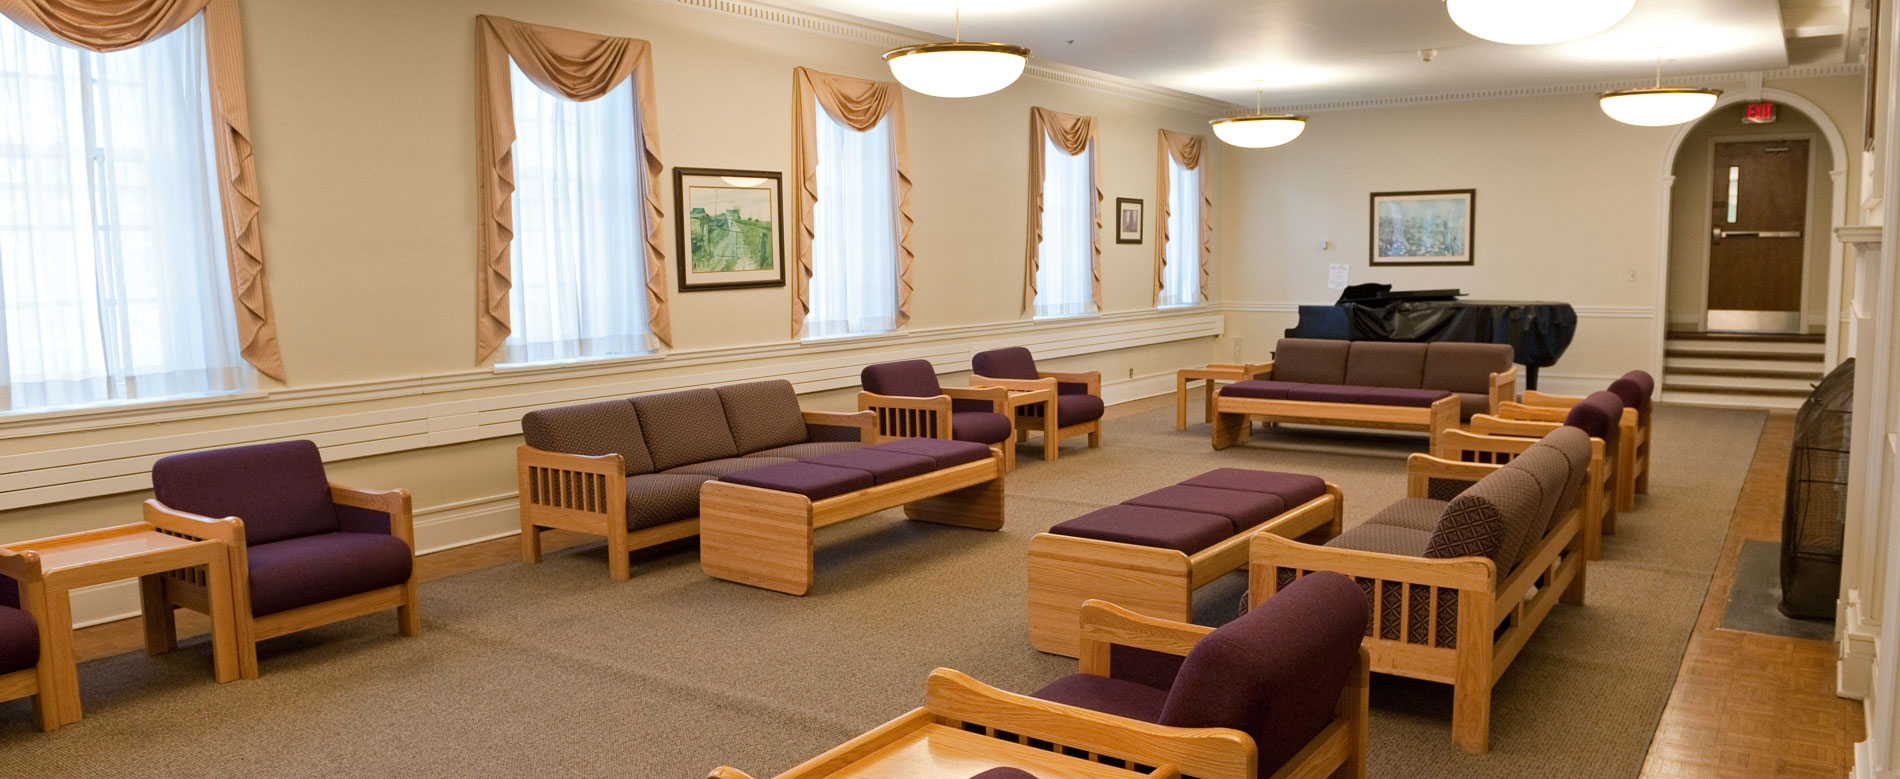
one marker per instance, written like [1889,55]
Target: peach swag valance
[1073,135]
[578,66]
[1188,151]
[858,104]
[112,25]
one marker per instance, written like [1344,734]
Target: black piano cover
[1540,332]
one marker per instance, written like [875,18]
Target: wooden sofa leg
[755,536]
[1095,435]
[1471,685]
[1051,443]
[1230,429]
[161,626]
[978,506]
[619,555]
[530,542]
[409,614]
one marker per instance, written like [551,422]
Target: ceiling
[1322,51]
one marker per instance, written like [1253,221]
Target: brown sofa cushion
[685,427]
[1465,367]
[1385,364]
[1411,513]
[1574,445]
[1552,472]
[1310,361]
[591,429]
[1470,403]
[1384,539]
[762,415]
[725,465]
[658,498]
[1488,519]
[807,450]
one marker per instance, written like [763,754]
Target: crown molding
[1746,79]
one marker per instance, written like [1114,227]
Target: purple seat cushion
[1106,695]
[946,453]
[300,572]
[1293,488]
[1326,393]
[904,379]
[1597,414]
[1078,409]
[885,466]
[1184,531]
[982,427]
[1257,388]
[278,489]
[19,637]
[1388,396]
[1244,509]
[1275,673]
[1310,360]
[1005,773]
[1013,362]
[817,482]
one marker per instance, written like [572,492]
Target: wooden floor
[1744,705]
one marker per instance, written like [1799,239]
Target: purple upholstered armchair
[1077,397]
[22,672]
[910,403]
[305,552]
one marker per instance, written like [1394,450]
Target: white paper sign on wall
[1336,276]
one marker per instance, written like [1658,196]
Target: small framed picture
[728,227]
[1128,220]
[1431,227]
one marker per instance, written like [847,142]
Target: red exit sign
[1759,113]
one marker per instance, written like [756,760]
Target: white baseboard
[1858,646]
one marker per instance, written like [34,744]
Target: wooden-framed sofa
[1636,389]
[1077,397]
[756,526]
[629,470]
[304,551]
[909,402]
[1249,700]
[1600,415]
[1151,552]
[1387,385]
[1457,587]
[24,668]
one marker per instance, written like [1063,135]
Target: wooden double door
[1757,246]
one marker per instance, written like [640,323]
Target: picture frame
[728,228]
[1129,220]
[1423,227]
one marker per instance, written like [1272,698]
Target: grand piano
[1539,331]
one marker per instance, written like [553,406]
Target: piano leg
[1530,377]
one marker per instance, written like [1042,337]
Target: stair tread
[1696,335]
[1712,354]
[1740,373]
[1731,390]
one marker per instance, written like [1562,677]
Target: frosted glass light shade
[1258,131]
[957,69]
[1658,106]
[1528,22]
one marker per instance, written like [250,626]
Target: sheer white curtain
[1181,279]
[113,274]
[1064,277]
[578,253]
[854,232]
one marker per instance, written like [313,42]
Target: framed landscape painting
[1423,228]
[729,228]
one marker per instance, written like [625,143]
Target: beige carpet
[554,670]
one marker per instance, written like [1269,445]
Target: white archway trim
[1837,147]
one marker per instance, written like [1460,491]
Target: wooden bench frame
[1233,416]
[588,494]
[954,699]
[1045,423]
[1632,440]
[1599,499]
[1066,571]
[899,416]
[763,538]
[24,571]
[1555,568]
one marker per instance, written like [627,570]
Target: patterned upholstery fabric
[591,429]
[1243,509]
[1598,414]
[725,465]
[278,489]
[308,570]
[1078,409]
[1552,471]
[1386,364]
[905,379]
[816,482]
[1256,388]
[982,427]
[1275,673]
[883,465]
[817,432]
[1470,403]
[1445,489]
[1487,520]
[1465,367]
[1186,532]
[1411,513]
[946,453]
[656,499]
[684,427]
[1384,539]
[1013,362]
[19,636]
[762,415]
[1635,389]
[1106,695]
[1293,488]
[1310,361]
[813,449]
[1574,445]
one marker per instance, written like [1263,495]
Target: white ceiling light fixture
[1528,22]
[958,68]
[1658,106]
[1258,130]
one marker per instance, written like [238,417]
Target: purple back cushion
[1275,673]
[1635,389]
[1598,415]
[278,489]
[904,379]
[1014,362]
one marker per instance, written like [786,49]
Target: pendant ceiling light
[1536,21]
[959,68]
[1658,106]
[1258,130]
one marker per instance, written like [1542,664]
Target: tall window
[1064,257]
[854,233]
[1181,278]
[578,253]
[113,273]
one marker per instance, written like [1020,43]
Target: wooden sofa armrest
[998,397]
[21,567]
[604,464]
[1017,385]
[864,421]
[1535,398]
[395,503]
[904,417]
[1211,753]
[1105,624]
[1478,574]
[1525,412]
[1421,469]
[230,530]
[1503,387]
[1093,379]
[1489,424]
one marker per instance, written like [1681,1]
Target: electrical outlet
[1236,350]
[1631,276]
[1131,373]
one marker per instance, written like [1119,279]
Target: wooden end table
[77,560]
[1210,377]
